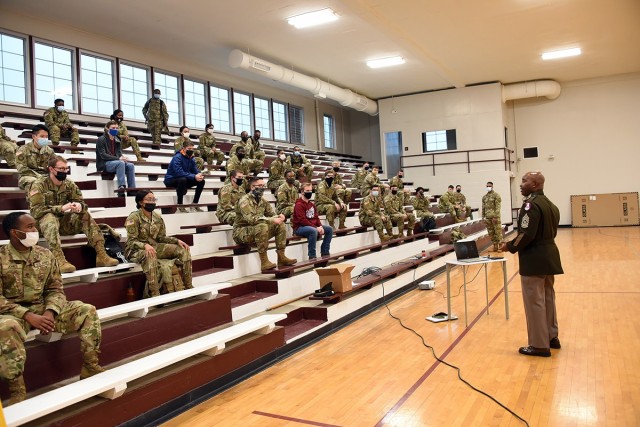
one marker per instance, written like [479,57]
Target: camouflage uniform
[326,199]
[286,197]
[207,147]
[253,224]
[32,163]
[31,281]
[463,211]
[394,207]
[128,141]
[456,235]
[370,214]
[179,143]
[257,152]
[396,181]
[276,173]
[156,114]
[344,193]
[358,178]
[491,214]
[228,198]
[370,181]
[59,125]
[236,164]
[249,155]
[7,149]
[301,165]
[446,204]
[169,254]
[421,207]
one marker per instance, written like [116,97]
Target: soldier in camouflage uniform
[257,151]
[31,297]
[57,120]
[457,234]
[185,134]
[57,204]
[287,195]
[249,152]
[370,181]
[394,207]
[359,176]
[229,196]
[462,209]
[371,214]
[276,171]
[491,214]
[446,203]
[208,149]
[256,223]
[32,159]
[421,205]
[398,182]
[338,182]
[165,260]
[156,116]
[301,165]
[239,163]
[8,148]
[126,141]
[328,202]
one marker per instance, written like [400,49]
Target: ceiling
[446,43]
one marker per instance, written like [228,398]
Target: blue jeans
[311,233]
[121,169]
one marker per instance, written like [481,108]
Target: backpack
[112,243]
[427,224]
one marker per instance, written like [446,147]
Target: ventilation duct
[548,88]
[320,89]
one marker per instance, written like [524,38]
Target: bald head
[531,182]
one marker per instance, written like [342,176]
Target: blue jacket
[181,166]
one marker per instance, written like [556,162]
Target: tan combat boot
[265,264]
[65,266]
[283,260]
[139,158]
[17,389]
[409,231]
[384,237]
[90,366]
[104,260]
[341,226]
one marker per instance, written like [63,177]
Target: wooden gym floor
[375,373]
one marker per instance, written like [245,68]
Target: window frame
[180,94]
[207,112]
[332,124]
[269,117]
[251,121]
[27,53]
[291,107]
[286,120]
[114,80]
[229,107]
[147,69]
[447,141]
[74,73]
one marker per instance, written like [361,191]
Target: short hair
[240,148]
[296,148]
[53,161]
[450,186]
[140,195]
[375,186]
[115,114]
[58,100]
[418,189]
[254,179]
[305,185]
[280,152]
[156,90]
[183,128]
[328,171]
[39,127]
[489,182]
[288,171]
[11,221]
[400,170]
[458,185]
[209,125]
[257,130]
[110,123]
[188,143]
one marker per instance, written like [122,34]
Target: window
[54,75]
[296,124]
[279,121]
[329,132]
[96,75]
[439,140]
[134,90]
[13,79]
[241,112]
[220,109]
[195,109]
[262,111]
[168,85]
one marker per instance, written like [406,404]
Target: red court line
[426,375]
[295,420]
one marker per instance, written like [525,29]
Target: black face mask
[149,207]
[256,137]
[240,155]
[459,190]
[400,176]
[394,192]
[119,119]
[189,153]
[257,193]
[239,181]
[366,168]
[308,195]
[336,169]
[291,180]
[61,176]
[329,181]
[244,138]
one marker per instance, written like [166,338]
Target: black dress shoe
[532,351]
[555,343]
[326,288]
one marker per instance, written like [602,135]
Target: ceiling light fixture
[311,19]
[561,53]
[385,62]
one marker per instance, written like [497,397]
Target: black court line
[295,420]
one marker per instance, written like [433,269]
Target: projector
[427,284]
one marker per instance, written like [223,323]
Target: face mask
[30,239]
[256,137]
[489,189]
[282,157]
[240,155]
[394,192]
[210,131]
[119,119]
[291,180]
[113,132]
[244,138]
[296,153]
[375,193]
[400,175]
[60,108]
[156,95]
[336,169]
[61,176]
[366,168]
[329,180]
[43,142]
[149,207]
[257,193]
[239,181]
[186,134]
[459,190]
[189,153]
[308,195]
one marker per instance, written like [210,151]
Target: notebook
[467,251]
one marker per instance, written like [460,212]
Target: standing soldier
[57,204]
[208,149]
[287,195]
[156,116]
[394,207]
[371,214]
[229,196]
[123,133]
[276,171]
[462,209]
[338,182]
[359,176]
[8,149]
[256,223]
[32,159]
[249,152]
[491,215]
[328,202]
[301,165]
[57,120]
[185,136]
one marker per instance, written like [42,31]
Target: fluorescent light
[385,62]
[561,53]
[313,18]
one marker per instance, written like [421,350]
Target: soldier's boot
[90,366]
[265,264]
[139,157]
[341,225]
[104,260]
[331,219]
[410,231]
[65,266]
[17,389]
[283,260]
[383,237]
[496,247]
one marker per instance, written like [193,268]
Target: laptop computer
[467,251]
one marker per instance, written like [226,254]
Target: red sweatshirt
[305,213]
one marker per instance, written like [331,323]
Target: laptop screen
[466,250]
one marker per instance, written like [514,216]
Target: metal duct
[320,89]
[548,88]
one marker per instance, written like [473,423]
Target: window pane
[242,112]
[220,109]
[329,132]
[12,61]
[133,90]
[194,103]
[54,76]
[438,140]
[12,44]
[168,86]
[263,117]
[279,121]
[296,124]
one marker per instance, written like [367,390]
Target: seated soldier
[257,151]
[32,159]
[57,120]
[31,297]
[394,207]
[126,141]
[109,158]
[301,165]
[256,223]
[208,149]
[338,182]
[446,203]
[398,182]
[287,195]
[180,141]
[306,223]
[329,203]
[57,204]
[370,181]
[183,174]
[463,211]
[229,196]
[359,176]
[8,148]
[276,171]
[249,153]
[165,260]
[238,162]
[421,204]
[371,214]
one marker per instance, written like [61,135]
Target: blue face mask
[43,142]
[296,153]
[156,95]
[113,132]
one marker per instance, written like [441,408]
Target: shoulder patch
[33,192]
[527,206]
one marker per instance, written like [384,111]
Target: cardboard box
[605,210]
[339,275]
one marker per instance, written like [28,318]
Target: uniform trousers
[540,309]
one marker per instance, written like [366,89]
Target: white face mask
[374,193]
[186,134]
[210,131]
[282,157]
[489,189]
[31,238]
[60,108]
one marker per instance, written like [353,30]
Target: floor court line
[295,420]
